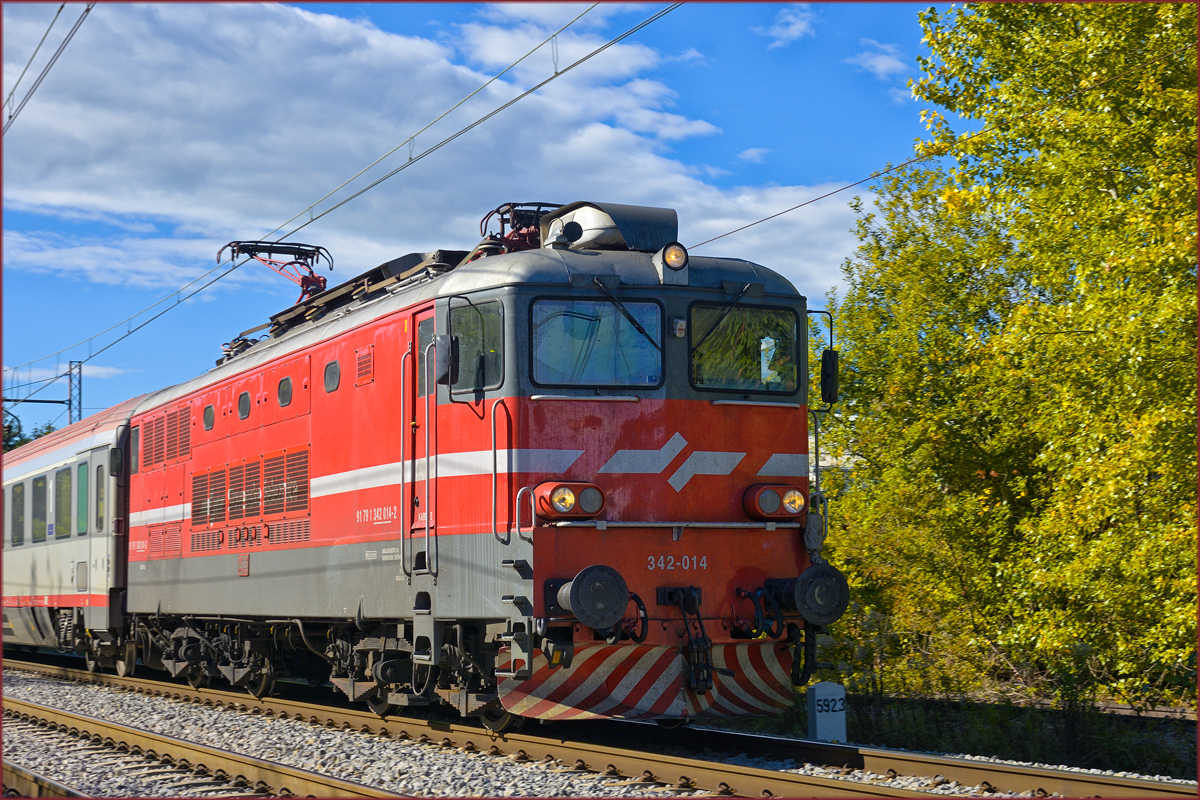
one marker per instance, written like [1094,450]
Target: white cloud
[791,23]
[754,155]
[691,54]
[900,96]
[882,61]
[218,122]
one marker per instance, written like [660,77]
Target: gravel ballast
[398,766]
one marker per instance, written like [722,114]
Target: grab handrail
[431,549]
[495,531]
[404,482]
[532,513]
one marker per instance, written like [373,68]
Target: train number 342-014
[671,562]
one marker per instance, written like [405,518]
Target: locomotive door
[422,425]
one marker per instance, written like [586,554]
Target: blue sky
[165,131]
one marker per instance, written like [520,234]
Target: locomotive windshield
[743,348]
[591,343]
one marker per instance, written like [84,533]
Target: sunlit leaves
[1019,341]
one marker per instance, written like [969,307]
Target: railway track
[638,760]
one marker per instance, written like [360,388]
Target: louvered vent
[164,543]
[172,436]
[206,540]
[160,439]
[185,431]
[199,499]
[237,492]
[216,497]
[366,365]
[245,537]
[274,486]
[252,494]
[297,481]
[291,531]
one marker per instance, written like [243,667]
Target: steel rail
[259,775]
[27,783]
[640,739]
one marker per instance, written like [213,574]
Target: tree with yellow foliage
[1019,350]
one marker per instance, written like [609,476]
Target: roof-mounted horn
[609,226]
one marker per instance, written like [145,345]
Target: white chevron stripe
[776,668]
[704,463]
[645,462]
[785,465]
[546,686]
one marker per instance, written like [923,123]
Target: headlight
[569,500]
[563,500]
[675,256]
[773,503]
[591,500]
[768,501]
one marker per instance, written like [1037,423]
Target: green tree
[1020,333]
[14,432]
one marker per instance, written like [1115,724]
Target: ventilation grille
[247,491]
[365,359]
[250,536]
[206,540]
[167,437]
[164,543]
[285,532]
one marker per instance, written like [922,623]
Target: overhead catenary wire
[179,293]
[46,70]
[36,50]
[963,140]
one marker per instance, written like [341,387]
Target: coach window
[135,438]
[39,509]
[480,331]
[243,405]
[62,503]
[81,500]
[210,416]
[591,343]
[100,498]
[333,376]
[285,393]
[17,515]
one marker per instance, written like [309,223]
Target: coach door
[99,527]
[422,423]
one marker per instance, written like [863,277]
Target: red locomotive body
[563,475]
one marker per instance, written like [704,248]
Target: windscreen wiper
[724,314]
[621,307]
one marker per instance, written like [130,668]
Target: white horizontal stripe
[448,465]
[159,516]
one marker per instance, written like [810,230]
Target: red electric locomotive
[563,475]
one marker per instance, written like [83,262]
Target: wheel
[127,660]
[672,724]
[378,704]
[263,685]
[92,662]
[197,678]
[497,719]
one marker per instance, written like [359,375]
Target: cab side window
[480,331]
[424,339]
